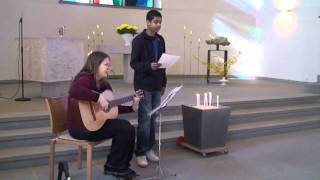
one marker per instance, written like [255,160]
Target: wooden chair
[58,123]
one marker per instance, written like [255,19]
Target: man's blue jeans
[146,124]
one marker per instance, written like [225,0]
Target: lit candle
[101,38]
[217,101]
[199,40]
[198,99]
[98,26]
[93,32]
[190,33]
[184,27]
[205,99]
[88,44]
[210,98]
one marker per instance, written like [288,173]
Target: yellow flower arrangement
[126,28]
[218,65]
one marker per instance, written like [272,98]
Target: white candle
[217,101]
[210,98]
[198,99]
[205,99]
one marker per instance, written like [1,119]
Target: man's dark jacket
[142,56]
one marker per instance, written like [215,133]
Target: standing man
[147,49]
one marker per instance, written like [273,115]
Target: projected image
[132,3]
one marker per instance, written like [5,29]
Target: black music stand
[158,109]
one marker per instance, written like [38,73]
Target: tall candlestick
[210,98]
[101,37]
[217,101]
[210,38]
[184,49]
[93,40]
[198,99]
[198,61]
[190,52]
[88,44]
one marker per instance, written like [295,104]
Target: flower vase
[127,39]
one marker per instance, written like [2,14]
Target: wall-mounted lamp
[285,5]
[285,23]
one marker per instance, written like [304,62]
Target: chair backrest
[58,114]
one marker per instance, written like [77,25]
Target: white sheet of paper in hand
[168,60]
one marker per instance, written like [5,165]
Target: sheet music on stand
[166,100]
[163,104]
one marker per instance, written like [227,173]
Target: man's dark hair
[153,13]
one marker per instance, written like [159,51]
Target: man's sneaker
[142,161]
[152,156]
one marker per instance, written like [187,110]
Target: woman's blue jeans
[146,124]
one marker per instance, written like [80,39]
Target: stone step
[260,113]
[273,126]
[24,120]
[273,102]
[40,135]
[38,155]
[255,107]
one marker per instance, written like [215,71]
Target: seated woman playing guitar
[89,119]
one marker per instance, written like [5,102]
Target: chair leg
[52,158]
[79,157]
[89,162]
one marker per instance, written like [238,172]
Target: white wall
[233,18]
[291,52]
[43,17]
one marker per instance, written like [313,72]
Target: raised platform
[259,107]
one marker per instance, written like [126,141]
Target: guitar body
[92,114]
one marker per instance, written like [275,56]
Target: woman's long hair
[92,64]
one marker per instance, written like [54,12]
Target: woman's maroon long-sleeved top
[84,88]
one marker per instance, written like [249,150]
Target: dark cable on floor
[18,88]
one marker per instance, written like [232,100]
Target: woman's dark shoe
[122,173]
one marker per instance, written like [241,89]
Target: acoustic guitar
[94,116]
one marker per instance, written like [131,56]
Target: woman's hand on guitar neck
[103,103]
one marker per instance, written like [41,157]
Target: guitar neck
[119,101]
